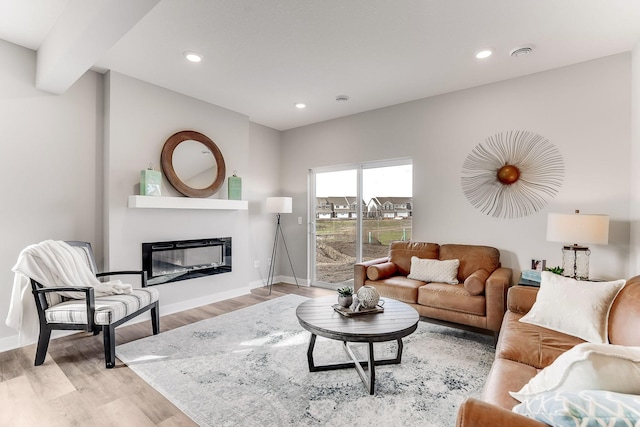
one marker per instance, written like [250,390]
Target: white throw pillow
[433,270]
[588,366]
[580,309]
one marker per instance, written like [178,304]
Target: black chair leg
[43,344]
[109,345]
[155,319]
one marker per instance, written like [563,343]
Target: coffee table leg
[369,379]
[312,344]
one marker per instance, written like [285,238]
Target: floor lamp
[279,205]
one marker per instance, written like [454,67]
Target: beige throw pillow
[588,366]
[433,270]
[576,308]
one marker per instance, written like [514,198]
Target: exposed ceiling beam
[82,34]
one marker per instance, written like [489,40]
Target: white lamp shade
[279,204]
[578,228]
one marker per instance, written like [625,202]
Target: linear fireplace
[172,261]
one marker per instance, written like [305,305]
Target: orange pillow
[475,283]
[381,271]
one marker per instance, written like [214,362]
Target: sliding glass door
[358,210]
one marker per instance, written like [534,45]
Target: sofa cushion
[474,284]
[397,287]
[588,366]
[624,316]
[433,270]
[451,297]
[472,258]
[381,271]
[576,308]
[586,408]
[400,254]
[530,344]
[506,375]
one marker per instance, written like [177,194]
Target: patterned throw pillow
[433,270]
[583,408]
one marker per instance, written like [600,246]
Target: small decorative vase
[345,301]
[368,296]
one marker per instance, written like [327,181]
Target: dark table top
[318,317]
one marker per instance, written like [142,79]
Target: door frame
[311,206]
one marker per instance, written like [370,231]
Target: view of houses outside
[387,211]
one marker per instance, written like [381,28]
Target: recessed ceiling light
[193,56]
[342,98]
[485,53]
[300,105]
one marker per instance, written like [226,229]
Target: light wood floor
[73,387]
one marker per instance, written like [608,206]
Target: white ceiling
[262,56]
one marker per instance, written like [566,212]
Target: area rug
[249,368]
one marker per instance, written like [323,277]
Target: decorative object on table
[279,205]
[555,270]
[345,296]
[193,164]
[512,174]
[533,275]
[150,182]
[538,264]
[234,184]
[580,228]
[350,312]
[368,297]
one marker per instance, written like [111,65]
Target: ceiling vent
[521,51]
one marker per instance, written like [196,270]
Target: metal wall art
[512,174]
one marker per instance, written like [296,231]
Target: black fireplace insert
[177,260]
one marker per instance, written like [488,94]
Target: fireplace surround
[177,260]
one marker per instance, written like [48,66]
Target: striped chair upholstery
[109,309]
[92,314]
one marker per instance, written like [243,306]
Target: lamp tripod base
[274,252]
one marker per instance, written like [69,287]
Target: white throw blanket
[51,263]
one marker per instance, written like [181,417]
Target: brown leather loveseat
[478,300]
[524,349]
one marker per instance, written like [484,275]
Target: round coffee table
[396,322]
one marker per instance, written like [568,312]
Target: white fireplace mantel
[157,202]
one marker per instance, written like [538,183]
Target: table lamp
[577,230]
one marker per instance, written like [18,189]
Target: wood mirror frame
[166,160]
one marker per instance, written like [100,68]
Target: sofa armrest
[476,413]
[496,289]
[360,271]
[521,298]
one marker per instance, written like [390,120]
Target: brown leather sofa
[479,300]
[524,349]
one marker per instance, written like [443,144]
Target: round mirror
[193,164]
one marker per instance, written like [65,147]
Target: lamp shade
[578,228]
[279,204]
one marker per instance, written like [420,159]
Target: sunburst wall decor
[512,174]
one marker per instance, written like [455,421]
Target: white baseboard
[200,301]
[280,279]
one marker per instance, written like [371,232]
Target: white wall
[262,179]
[584,110]
[51,165]
[140,118]
[635,161]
